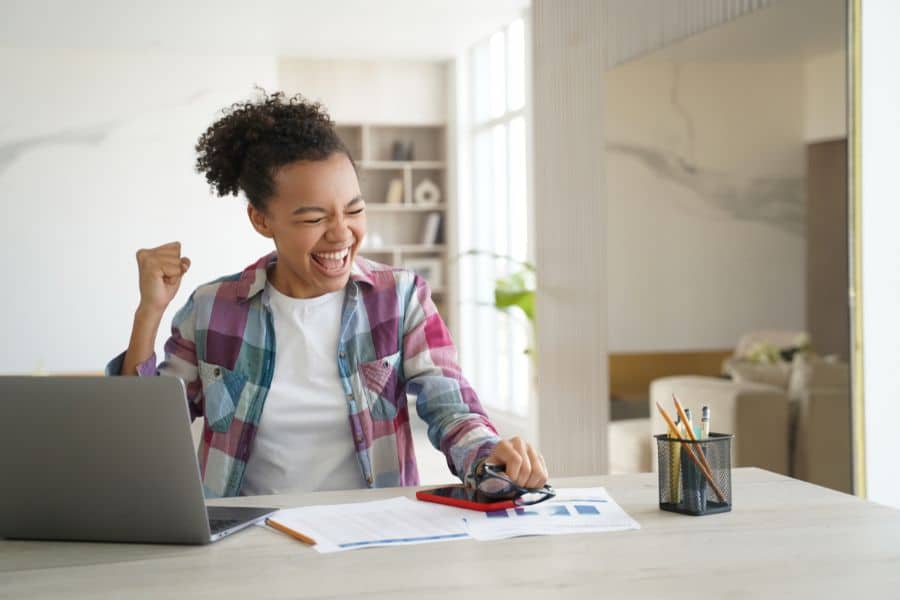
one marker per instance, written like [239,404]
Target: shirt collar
[252,280]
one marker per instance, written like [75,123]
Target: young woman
[300,364]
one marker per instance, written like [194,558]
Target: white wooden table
[784,538]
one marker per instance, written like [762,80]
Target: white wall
[825,102]
[408,93]
[96,161]
[881,247]
[706,217]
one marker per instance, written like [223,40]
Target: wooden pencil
[294,534]
[690,430]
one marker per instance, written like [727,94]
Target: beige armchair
[789,411]
[801,429]
[820,392]
[757,414]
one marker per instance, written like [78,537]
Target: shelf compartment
[428,142]
[352,136]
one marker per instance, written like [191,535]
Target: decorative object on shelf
[401,151]
[427,193]
[394,192]
[432,229]
[398,152]
[428,268]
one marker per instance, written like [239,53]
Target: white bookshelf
[397,230]
[401,164]
[381,207]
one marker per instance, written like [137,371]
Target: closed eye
[320,219]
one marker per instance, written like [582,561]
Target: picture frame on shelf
[429,269]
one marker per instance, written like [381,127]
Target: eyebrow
[318,209]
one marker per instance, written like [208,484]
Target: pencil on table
[294,534]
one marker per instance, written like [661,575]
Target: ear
[259,221]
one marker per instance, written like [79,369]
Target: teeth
[333,255]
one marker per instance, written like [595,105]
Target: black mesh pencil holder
[695,477]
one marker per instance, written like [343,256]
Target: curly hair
[244,149]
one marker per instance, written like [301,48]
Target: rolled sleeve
[144,369]
[457,423]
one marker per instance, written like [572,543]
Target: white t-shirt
[304,442]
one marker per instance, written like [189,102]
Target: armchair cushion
[777,374]
[758,415]
[780,339]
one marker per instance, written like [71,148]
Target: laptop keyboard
[223,518]
[220,525]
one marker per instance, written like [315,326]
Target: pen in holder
[695,476]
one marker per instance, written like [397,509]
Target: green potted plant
[518,289]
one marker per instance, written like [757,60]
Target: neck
[280,279]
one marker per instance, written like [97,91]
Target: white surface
[393,522]
[371,92]
[303,442]
[573,510]
[880,246]
[784,539]
[96,161]
[349,29]
[702,166]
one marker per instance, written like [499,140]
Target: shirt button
[342,355]
[370,479]
[217,372]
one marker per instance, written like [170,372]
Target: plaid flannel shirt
[392,343]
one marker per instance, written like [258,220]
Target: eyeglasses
[493,482]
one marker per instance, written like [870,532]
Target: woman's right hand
[160,270]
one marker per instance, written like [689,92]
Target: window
[494,221]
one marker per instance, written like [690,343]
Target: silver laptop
[104,459]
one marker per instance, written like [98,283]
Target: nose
[339,231]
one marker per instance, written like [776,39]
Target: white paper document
[392,522]
[573,510]
[400,521]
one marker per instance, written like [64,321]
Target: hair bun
[244,148]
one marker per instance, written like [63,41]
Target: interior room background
[96,159]
[99,161]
